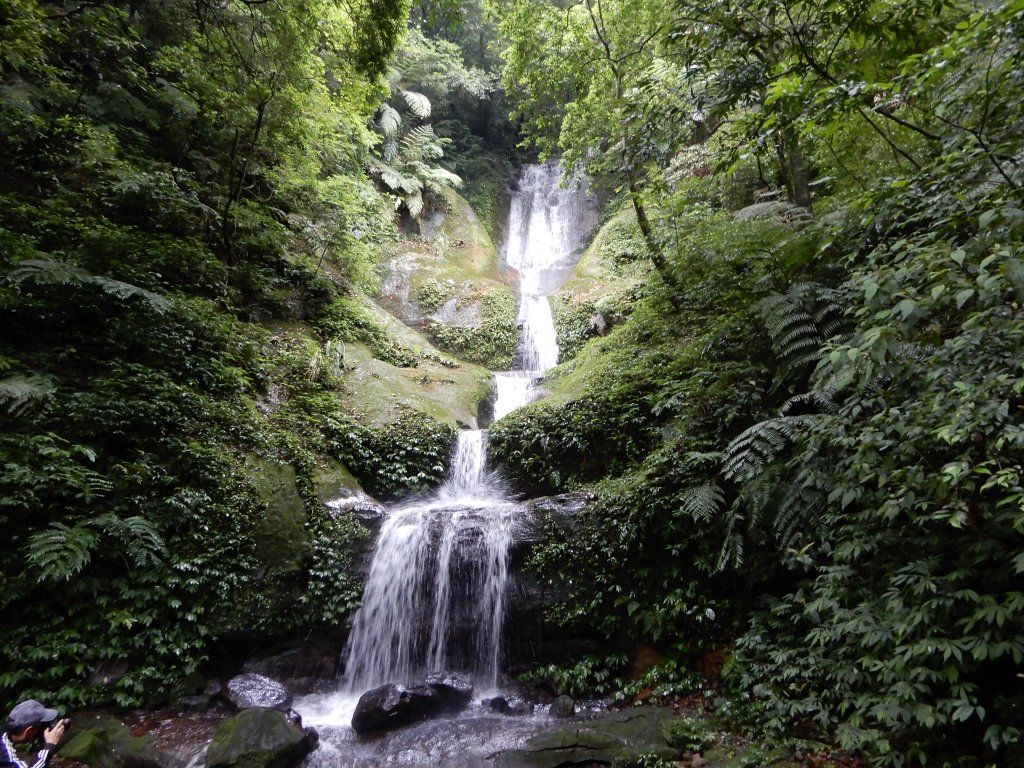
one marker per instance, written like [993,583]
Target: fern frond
[390,121]
[697,460]
[703,502]
[59,552]
[20,391]
[418,140]
[50,272]
[759,445]
[142,542]
[389,151]
[414,203]
[419,104]
[814,401]
[442,177]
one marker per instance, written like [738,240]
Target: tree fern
[800,322]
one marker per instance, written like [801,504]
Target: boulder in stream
[563,706]
[259,738]
[250,691]
[394,705]
[503,705]
[455,690]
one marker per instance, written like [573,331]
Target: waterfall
[435,595]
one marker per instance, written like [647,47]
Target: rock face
[394,705]
[259,738]
[251,691]
[281,536]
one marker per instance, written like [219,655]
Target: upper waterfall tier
[547,227]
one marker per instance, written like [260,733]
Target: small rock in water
[394,705]
[252,691]
[194,703]
[503,706]
[455,690]
[563,706]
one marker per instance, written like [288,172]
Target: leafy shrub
[590,676]
[409,455]
[573,325]
[493,343]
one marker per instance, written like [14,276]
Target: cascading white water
[435,595]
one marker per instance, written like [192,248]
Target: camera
[59,721]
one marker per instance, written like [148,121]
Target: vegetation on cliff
[810,427]
[189,227]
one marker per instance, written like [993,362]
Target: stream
[435,597]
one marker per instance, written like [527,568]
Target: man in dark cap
[26,721]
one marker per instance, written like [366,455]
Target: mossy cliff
[448,284]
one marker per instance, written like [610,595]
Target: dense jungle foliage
[807,438]
[799,400]
[190,202]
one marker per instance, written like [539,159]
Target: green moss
[282,540]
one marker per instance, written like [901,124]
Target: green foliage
[589,676]
[431,295]
[573,325]
[687,733]
[643,760]
[348,320]
[332,592]
[167,172]
[491,344]
[408,456]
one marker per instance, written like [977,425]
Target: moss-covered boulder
[281,537]
[258,738]
[105,742]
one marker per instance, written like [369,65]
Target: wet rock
[563,706]
[455,690]
[295,663]
[619,735]
[394,705]
[503,706]
[251,691]
[259,738]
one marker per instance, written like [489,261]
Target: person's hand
[53,734]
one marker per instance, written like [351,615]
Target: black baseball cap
[29,712]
